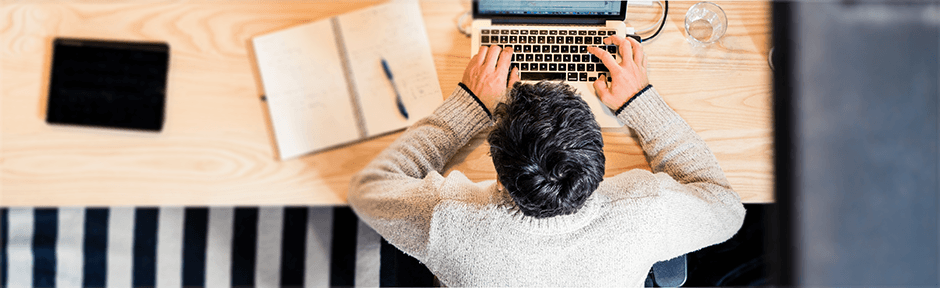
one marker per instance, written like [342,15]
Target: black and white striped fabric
[198,247]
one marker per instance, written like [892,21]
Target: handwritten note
[307,72]
[394,31]
[305,83]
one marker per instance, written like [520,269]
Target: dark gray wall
[865,100]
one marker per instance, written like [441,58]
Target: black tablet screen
[108,84]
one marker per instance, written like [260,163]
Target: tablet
[113,84]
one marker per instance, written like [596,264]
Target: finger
[505,57]
[600,87]
[477,59]
[605,57]
[611,40]
[626,51]
[513,77]
[644,62]
[638,55]
[491,57]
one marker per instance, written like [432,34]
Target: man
[551,219]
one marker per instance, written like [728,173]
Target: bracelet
[475,99]
[648,86]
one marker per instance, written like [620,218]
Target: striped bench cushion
[197,246]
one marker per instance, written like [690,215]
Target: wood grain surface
[217,147]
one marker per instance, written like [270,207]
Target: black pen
[388,73]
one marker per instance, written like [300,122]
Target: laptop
[550,40]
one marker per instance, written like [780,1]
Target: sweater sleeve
[696,204]
[396,193]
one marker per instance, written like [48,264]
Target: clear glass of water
[705,23]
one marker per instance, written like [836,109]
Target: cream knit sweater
[470,234]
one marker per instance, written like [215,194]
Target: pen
[388,74]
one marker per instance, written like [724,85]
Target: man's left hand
[486,74]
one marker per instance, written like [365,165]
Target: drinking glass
[705,23]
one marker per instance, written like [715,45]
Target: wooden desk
[217,147]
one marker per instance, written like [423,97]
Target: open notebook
[325,84]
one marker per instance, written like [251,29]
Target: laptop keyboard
[553,54]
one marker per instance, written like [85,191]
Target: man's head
[547,149]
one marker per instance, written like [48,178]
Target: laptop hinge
[615,23]
[504,21]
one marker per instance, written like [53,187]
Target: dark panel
[400,270]
[780,242]
[294,246]
[739,262]
[4,226]
[195,228]
[95,247]
[145,247]
[46,224]
[343,253]
[244,246]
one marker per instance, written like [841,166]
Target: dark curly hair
[547,149]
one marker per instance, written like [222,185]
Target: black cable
[665,13]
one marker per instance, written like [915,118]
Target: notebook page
[305,84]
[394,31]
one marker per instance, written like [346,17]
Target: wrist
[629,100]
[475,98]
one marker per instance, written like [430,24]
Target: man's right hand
[627,77]
[486,74]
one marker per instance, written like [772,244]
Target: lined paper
[324,81]
[306,89]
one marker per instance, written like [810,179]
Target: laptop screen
[546,9]
[549,7]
